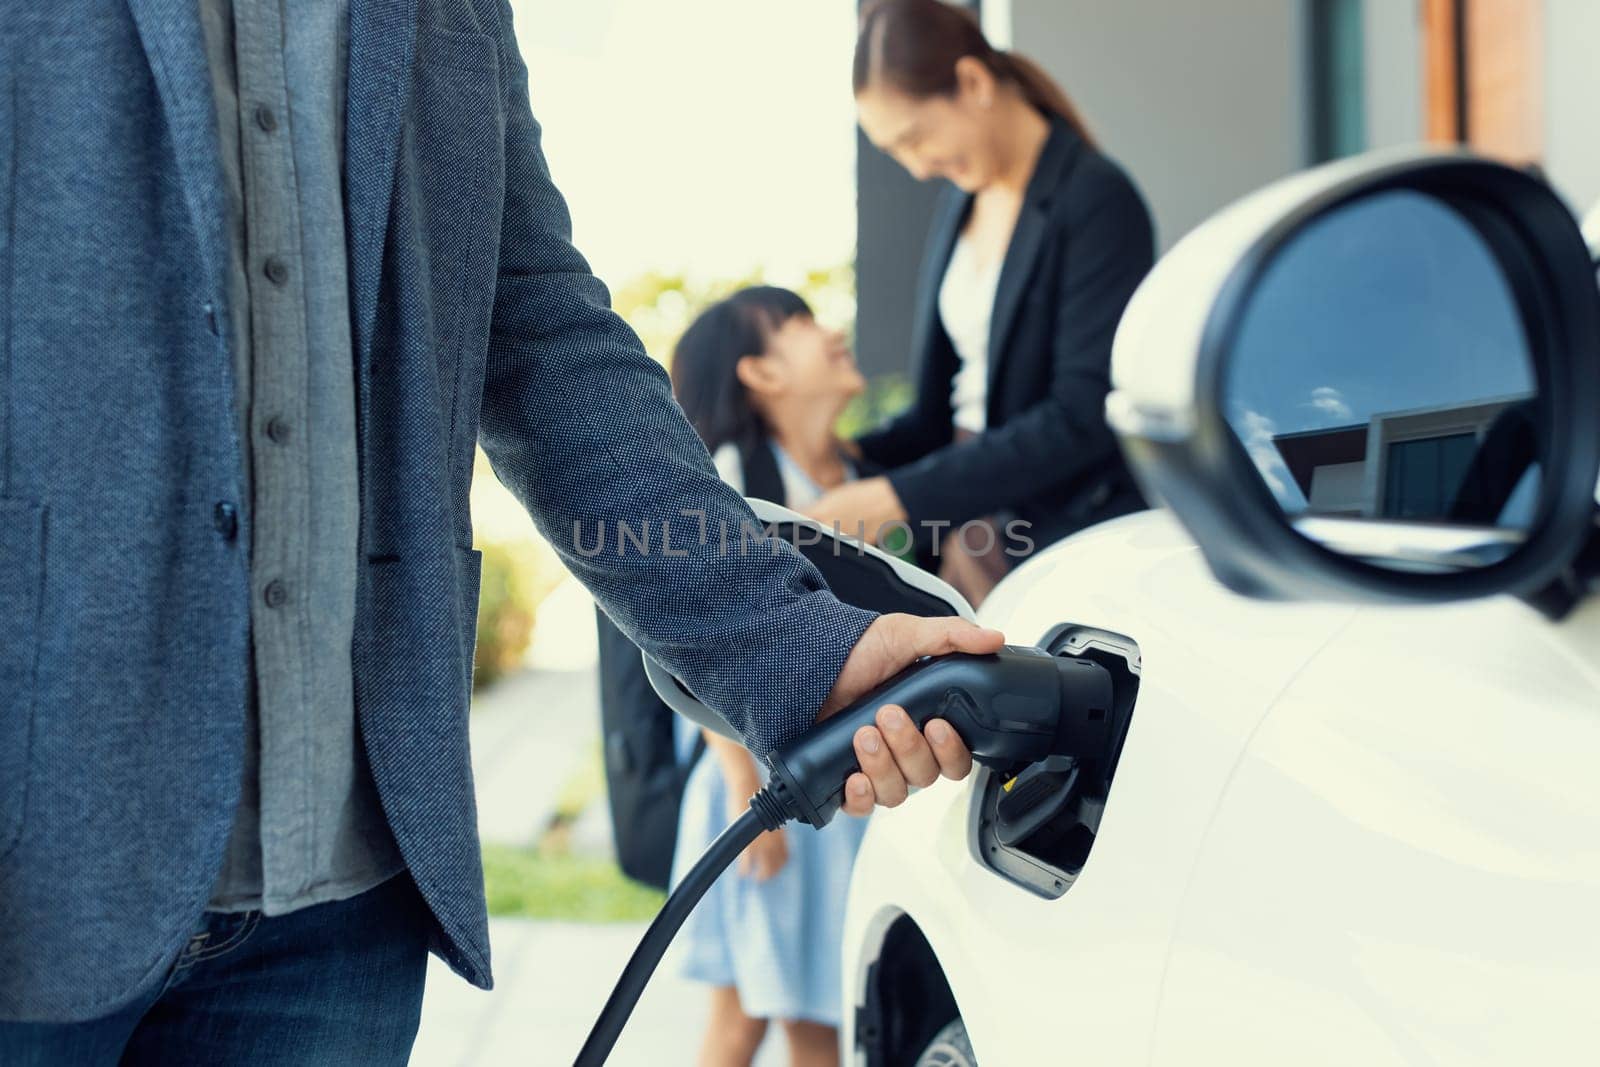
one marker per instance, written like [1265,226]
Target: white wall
[1572,88]
[1201,102]
[1204,101]
[1572,100]
[1392,71]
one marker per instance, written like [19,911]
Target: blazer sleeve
[579,422]
[1110,247]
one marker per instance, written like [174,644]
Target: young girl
[763,384]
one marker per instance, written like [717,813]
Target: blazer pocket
[464,51]
[22,527]
[458,106]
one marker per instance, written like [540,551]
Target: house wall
[1201,102]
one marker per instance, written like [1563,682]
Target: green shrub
[885,395]
[507,599]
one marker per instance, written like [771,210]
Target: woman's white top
[966,304]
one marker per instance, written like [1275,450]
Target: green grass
[550,881]
[542,883]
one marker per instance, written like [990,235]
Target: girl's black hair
[704,377]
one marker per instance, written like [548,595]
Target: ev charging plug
[1012,707]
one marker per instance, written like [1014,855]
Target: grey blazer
[123,593]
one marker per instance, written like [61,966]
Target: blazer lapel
[173,42]
[1014,274]
[383,36]
[1028,238]
[944,230]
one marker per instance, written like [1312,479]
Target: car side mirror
[859,574]
[1378,379]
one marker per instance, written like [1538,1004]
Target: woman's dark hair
[704,374]
[913,46]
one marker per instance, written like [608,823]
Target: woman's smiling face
[947,136]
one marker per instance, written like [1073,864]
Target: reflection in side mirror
[1380,370]
[1376,379]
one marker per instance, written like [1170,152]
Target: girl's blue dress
[777,941]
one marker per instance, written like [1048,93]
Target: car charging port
[1037,826]
[1033,798]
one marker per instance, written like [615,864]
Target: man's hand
[894,756]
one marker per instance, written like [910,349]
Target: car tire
[949,1048]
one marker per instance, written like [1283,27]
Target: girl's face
[947,137]
[804,364]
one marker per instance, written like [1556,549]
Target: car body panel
[1407,861]
[1253,717]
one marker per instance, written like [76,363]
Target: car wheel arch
[907,998]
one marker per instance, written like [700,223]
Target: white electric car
[1355,818]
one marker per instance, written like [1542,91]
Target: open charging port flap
[1037,828]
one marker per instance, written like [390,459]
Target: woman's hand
[860,509]
[767,854]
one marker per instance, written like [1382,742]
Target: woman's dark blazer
[1082,243]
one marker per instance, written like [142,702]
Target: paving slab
[552,978]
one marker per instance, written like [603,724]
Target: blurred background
[707,144]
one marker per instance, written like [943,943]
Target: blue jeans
[337,983]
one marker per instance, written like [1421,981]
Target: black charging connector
[1011,708]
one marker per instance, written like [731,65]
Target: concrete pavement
[551,981]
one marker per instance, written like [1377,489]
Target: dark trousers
[337,983]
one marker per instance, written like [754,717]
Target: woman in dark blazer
[1033,254]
